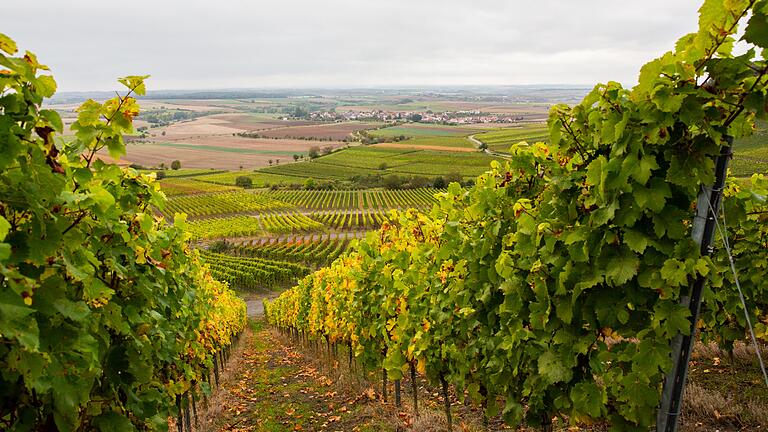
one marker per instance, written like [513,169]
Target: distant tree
[244,182]
[314,152]
[439,183]
[219,246]
[160,174]
[175,164]
[392,181]
[295,157]
[383,166]
[327,150]
[277,161]
[270,162]
[300,112]
[453,177]
[241,167]
[419,182]
[415,117]
[309,184]
[163,133]
[162,165]
[483,146]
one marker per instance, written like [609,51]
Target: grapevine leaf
[7,44]
[757,29]
[674,272]
[552,368]
[588,399]
[622,267]
[636,240]
[4,228]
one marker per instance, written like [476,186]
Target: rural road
[478,143]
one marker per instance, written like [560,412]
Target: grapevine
[106,316]
[554,283]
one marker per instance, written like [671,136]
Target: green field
[258,178]
[414,130]
[500,140]
[440,141]
[362,161]
[751,153]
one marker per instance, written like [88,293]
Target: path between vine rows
[268,385]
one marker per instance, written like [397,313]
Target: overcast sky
[194,44]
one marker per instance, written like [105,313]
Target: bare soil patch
[252,123]
[153,155]
[333,131]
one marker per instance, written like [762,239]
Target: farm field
[185,186]
[332,131]
[256,121]
[222,203]
[358,199]
[751,153]
[501,140]
[252,273]
[423,130]
[259,179]
[442,143]
[360,161]
[314,250]
[219,152]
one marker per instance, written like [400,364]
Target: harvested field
[220,151]
[208,125]
[254,145]
[333,131]
[195,157]
[187,104]
[252,122]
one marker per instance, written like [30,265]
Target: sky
[226,44]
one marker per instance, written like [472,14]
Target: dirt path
[255,303]
[272,387]
[479,143]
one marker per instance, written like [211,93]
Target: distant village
[448,117]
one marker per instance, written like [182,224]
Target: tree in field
[392,181]
[314,152]
[296,157]
[270,162]
[244,182]
[439,183]
[453,177]
[175,164]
